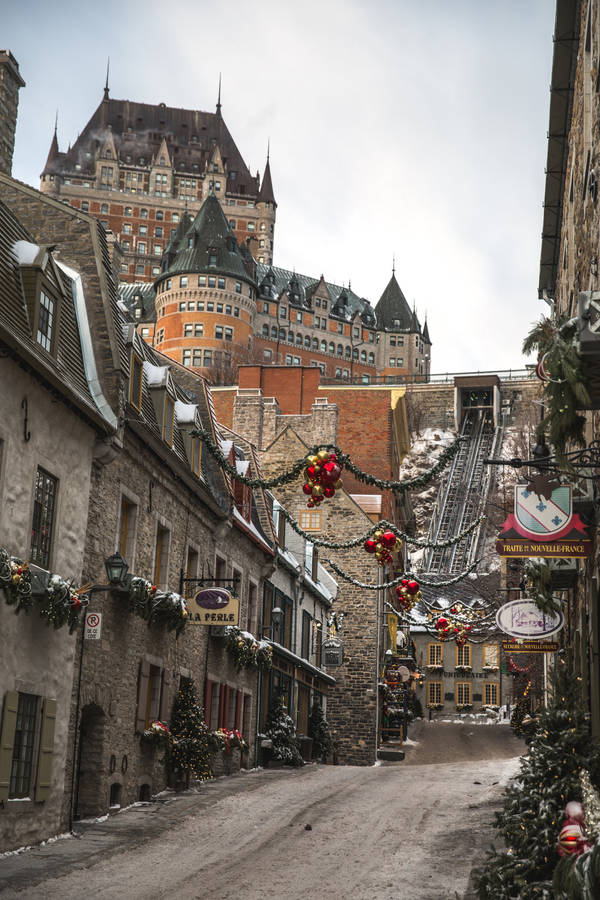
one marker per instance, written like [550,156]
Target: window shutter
[222,711]
[7,739]
[165,701]
[238,710]
[44,772]
[142,698]
[207,700]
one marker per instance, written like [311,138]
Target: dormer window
[162,161]
[212,260]
[135,382]
[169,420]
[196,455]
[45,321]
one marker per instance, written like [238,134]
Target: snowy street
[407,830]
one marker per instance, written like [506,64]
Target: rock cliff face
[424,453]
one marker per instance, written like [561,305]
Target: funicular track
[461,498]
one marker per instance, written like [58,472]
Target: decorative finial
[394,264]
[268,149]
[106,84]
[219,97]
[56,123]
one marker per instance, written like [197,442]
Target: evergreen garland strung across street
[298,467]
[383,524]
[396,581]
[565,389]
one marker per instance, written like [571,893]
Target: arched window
[340,350]
[323,346]
[363,356]
[332,347]
[282,334]
[290,337]
[274,332]
[307,341]
[265,330]
[347,352]
[355,354]
[299,340]
[315,344]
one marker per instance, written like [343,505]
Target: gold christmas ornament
[312,460]
[317,491]
[339,484]
[378,535]
[323,456]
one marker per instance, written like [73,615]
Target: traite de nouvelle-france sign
[543,523]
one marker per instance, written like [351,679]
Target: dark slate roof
[131,293]
[63,370]
[426,337]
[353,303]
[145,420]
[138,130]
[208,232]
[392,307]
[266,195]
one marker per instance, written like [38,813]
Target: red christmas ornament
[569,840]
[307,488]
[412,587]
[370,545]
[312,473]
[310,504]
[330,472]
[328,491]
[76,603]
[388,539]
[441,622]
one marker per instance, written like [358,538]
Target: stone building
[10,82]
[56,428]
[569,281]
[139,167]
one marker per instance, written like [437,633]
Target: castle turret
[205,296]
[267,211]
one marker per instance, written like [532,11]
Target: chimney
[10,82]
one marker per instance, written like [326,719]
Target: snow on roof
[241,466]
[25,252]
[226,447]
[156,376]
[252,528]
[288,557]
[185,413]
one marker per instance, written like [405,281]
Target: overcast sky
[414,128]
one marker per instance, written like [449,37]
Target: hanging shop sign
[543,523]
[214,606]
[523,619]
[333,651]
[530,647]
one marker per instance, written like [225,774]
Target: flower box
[435,706]
[438,667]
[461,707]
[491,668]
[465,670]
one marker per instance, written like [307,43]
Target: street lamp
[116,570]
[276,620]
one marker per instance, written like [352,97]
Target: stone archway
[91,794]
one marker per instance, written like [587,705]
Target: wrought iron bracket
[587,458]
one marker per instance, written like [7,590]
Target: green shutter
[142,698]
[44,771]
[7,740]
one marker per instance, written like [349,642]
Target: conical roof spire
[106,83]
[392,310]
[266,194]
[426,337]
[53,152]
[219,97]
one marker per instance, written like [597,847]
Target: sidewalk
[132,826]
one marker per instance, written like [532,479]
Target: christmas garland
[298,467]
[248,653]
[565,389]
[538,575]
[60,603]
[383,524]
[163,607]
[396,581]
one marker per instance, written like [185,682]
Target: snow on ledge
[156,376]
[25,252]
[185,413]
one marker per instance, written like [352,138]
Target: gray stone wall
[35,658]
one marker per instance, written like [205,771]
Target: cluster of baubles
[408,593]
[383,544]
[452,628]
[322,477]
[572,839]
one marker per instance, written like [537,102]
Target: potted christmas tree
[191,745]
[318,730]
[281,731]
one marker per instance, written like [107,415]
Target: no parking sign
[93,626]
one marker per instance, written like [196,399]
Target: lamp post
[116,572]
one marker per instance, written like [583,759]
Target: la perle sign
[214,606]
